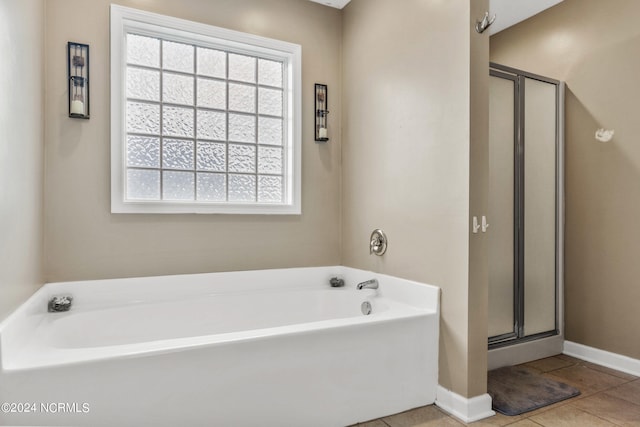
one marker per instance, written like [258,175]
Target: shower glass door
[502,185]
[523,206]
[540,167]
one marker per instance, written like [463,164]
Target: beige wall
[594,46]
[85,241]
[406,160]
[478,299]
[21,150]
[411,104]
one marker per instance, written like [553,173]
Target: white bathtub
[256,348]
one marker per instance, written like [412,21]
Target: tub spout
[368,284]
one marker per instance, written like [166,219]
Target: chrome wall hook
[604,135]
[485,23]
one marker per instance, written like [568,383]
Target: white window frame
[125,20]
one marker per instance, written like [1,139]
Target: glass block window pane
[143,151]
[242,128]
[177,89]
[212,125]
[242,68]
[177,57]
[270,160]
[177,154]
[143,50]
[143,184]
[242,158]
[269,73]
[212,187]
[143,118]
[242,188]
[178,185]
[143,84]
[270,189]
[269,131]
[212,63]
[212,94]
[270,102]
[212,156]
[203,125]
[242,98]
[177,121]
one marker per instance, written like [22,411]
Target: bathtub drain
[366,308]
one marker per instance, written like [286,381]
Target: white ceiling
[339,4]
[508,12]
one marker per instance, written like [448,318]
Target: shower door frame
[516,347]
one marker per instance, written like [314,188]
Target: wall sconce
[321,112]
[78,73]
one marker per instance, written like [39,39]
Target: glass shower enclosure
[525,211]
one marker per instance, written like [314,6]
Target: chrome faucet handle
[374,245]
[378,242]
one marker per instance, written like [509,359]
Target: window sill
[204,208]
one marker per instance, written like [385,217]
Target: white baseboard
[467,410]
[602,357]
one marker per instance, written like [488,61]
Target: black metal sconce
[78,74]
[321,113]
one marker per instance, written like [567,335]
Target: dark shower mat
[516,390]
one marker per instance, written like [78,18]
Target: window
[203,119]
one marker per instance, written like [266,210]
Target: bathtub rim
[424,297]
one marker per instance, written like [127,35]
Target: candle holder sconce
[78,74]
[321,113]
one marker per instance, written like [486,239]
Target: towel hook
[604,135]
[485,23]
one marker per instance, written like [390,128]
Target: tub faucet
[368,284]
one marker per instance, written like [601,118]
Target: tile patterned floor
[609,399]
